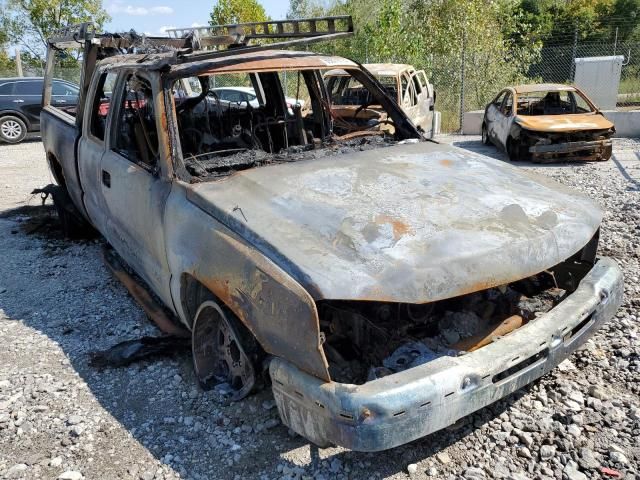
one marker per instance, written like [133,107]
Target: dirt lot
[61,418]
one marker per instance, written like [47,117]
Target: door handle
[18,100]
[61,101]
[106,179]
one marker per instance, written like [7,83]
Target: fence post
[19,62]
[462,73]
[572,71]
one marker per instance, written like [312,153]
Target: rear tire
[71,221]
[607,153]
[12,129]
[485,135]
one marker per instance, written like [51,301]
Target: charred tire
[12,129]
[514,150]
[71,221]
[224,351]
[608,151]
[485,135]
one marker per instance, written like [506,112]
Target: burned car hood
[410,223]
[563,123]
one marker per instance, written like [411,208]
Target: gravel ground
[61,418]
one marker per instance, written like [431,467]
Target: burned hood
[410,223]
[563,123]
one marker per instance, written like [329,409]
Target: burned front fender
[279,312]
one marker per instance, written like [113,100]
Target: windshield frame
[574,90]
[404,126]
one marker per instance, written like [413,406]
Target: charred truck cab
[392,285]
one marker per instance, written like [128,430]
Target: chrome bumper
[408,405]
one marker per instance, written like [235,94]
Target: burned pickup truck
[408,86]
[391,284]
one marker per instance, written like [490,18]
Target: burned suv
[391,284]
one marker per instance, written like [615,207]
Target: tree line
[502,41]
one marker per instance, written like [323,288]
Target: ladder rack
[310,29]
[199,43]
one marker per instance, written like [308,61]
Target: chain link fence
[469,83]
[465,79]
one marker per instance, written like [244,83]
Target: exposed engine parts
[365,341]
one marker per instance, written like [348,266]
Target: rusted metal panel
[266,60]
[564,123]
[144,299]
[571,147]
[273,306]
[412,223]
[537,87]
[399,408]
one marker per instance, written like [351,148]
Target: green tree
[30,22]
[305,9]
[237,11]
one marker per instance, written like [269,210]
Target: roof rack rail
[237,36]
[80,35]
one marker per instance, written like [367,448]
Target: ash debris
[220,164]
[375,345]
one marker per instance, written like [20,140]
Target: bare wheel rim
[218,355]
[11,129]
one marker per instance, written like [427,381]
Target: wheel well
[56,169]
[16,114]
[192,294]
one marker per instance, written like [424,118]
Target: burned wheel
[221,351]
[514,150]
[485,135]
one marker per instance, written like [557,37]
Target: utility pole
[19,62]
[462,74]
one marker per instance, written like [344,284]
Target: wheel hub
[11,129]
[218,355]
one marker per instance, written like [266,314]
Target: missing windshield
[234,121]
[553,102]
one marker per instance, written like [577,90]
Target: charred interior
[234,121]
[364,341]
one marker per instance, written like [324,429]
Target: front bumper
[591,150]
[397,409]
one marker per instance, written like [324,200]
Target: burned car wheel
[515,150]
[222,351]
[485,135]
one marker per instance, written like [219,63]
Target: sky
[153,17]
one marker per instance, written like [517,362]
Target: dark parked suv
[21,103]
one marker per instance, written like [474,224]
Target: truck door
[491,115]
[91,146]
[425,101]
[133,184]
[410,99]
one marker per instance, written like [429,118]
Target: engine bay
[364,341]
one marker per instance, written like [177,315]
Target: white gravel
[61,418]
